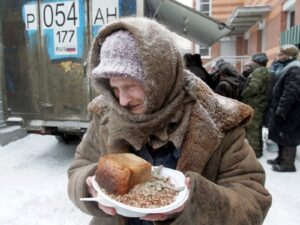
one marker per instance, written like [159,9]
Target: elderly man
[150,105]
[284,124]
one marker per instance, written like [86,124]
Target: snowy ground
[33,183]
[34,180]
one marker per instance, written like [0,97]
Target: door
[45,48]
[21,68]
[61,27]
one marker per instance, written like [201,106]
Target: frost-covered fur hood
[168,62]
[161,59]
[217,114]
[226,113]
[166,80]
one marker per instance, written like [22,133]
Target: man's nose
[124,98]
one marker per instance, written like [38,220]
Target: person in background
[193,63]
[229,84]
[284,122]
[214,76]
[215,65]
[248,68]
[166,115]
[255,95]
[274,71]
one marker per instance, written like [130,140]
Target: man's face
[247,67]
[130,94]
[282,57]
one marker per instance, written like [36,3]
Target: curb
[11,133]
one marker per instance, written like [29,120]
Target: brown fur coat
[227,180]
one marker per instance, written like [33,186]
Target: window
[204,51]
[291,19]
[289,7]
[204,6]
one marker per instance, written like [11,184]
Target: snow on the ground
[285,190]
[33,185]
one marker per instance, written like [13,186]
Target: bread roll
[118,173]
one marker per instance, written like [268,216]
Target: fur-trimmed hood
[166,76]
[216,114]
[161,59]
[211,115]
[225,113]
[167,105]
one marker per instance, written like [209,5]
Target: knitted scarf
[168,105]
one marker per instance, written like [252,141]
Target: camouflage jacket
[255,91]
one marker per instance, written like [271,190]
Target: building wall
[258,2]
[297,10]
[275,22]
[253,41]
[221,10]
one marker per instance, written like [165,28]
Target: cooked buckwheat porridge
[152,194]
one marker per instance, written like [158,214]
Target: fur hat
[119,57]
[227,69]
[260,58]
[289,50]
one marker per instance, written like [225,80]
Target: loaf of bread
[118,173]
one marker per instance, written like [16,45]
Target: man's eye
[116,91]
[132,87]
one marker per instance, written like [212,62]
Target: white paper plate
[176,177]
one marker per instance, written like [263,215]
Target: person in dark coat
[255,95]
[214,76]
[248,68]
[229,81]
[284,127]
[193,63]
[274,72]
